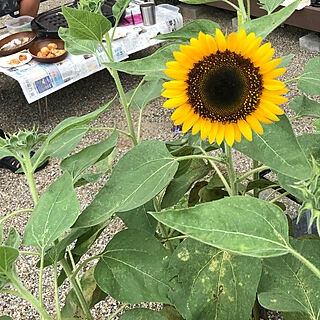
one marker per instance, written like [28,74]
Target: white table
[38,80]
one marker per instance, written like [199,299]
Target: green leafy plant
[198,238]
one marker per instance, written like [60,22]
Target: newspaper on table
[38,80]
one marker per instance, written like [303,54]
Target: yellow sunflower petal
[211,43]
[260,115]
[254,124]
[220,133]
[276,92]
[245,45]
[188,123]
[232,42]
[241,38]
[191,52]
[175,102]
[263,54]
[182,117]
[229,134]
[274,73]
[175,65]
[273,84]
[252,47]
[203,40]
[176,74]
[273,98]
[175,85]
[205,128]
[267,67]
[271,107]
[267,113]
[245,129]
[183,59]
[221,40]
[197,126]
[213,132]
[180,112]
[237,132]
[173,93]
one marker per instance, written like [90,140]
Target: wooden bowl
[38,45]
[20,35]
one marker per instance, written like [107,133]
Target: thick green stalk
[24,293]
[123,99]
[107,128]
[252,172]
[256,176]
[119,310]
[14,213]
[41,275]
[56,290]
[77,290]
[230,169]
[76,271]
[162,226]
[279,197]
[212,160]
[29,176]
[200,156]
[304,261]
[139,125]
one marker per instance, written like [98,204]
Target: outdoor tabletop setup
[44,66]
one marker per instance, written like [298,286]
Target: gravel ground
[78,99]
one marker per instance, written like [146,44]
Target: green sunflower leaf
[209,283]
[76,46]
[13,239]
[190,30]
[86,25]
[133,268]
[139,218]
[305,107]
[151,65]
[142,314]
[55,213]
[266,24]
[119,7]
[60,142]
[146,93]
[244,225]
[5,318]
[8,256]
[288,285]
[181,183]
[77,163]
[91,292]
[269,5]
[309,80]
[138,176]
[285,60]
[278,148]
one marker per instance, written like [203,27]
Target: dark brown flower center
[224,87]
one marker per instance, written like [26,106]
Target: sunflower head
[224,87]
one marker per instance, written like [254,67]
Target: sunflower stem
[219,173]
[123,99]
[255,172]
[231,173]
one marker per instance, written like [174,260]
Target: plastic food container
[19,24]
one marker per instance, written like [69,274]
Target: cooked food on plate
[50,51]
[14,43]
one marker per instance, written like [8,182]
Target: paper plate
[9,61]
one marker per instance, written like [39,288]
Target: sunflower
[224,87]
